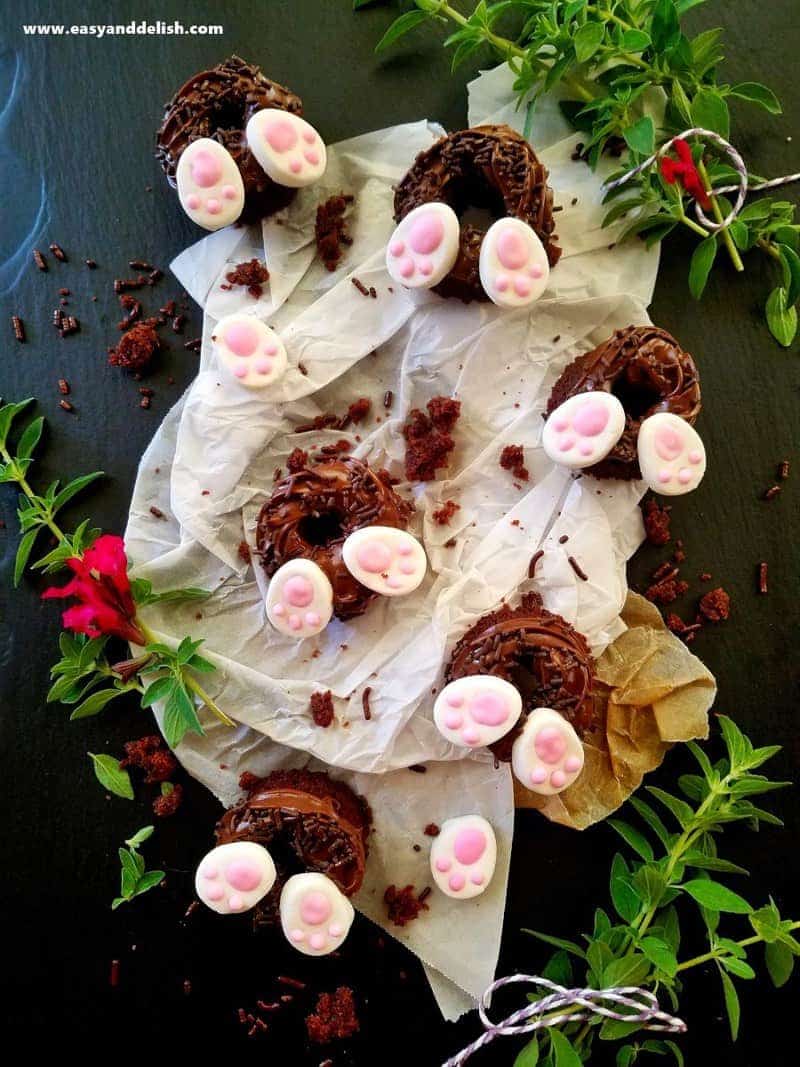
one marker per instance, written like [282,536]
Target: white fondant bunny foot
[672,457]
[424,247]
[233,878]
[287,147]
[300,599]
[249,350]
[463,856]
[548,755]
[210,187]
[384,559]
[315,915]
[513,264]
[477,710]
[583,429]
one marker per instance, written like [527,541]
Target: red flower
[684,171]
[102,586]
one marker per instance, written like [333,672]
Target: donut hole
[475,201]
[322,528]
[636,397]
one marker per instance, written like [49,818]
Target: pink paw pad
[463,856]
[477,710]
[315,915]
[583,430]
[287,147]
[233,878]
[672,457]
[548,755]
[513,264]
[300,599]
[249,350]
[386,560]
[424,247]
[210,187]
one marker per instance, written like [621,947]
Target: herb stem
[769,248]
[714,954]
[44,512]
[733,252]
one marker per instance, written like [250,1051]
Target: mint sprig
[672,864]
[135,879]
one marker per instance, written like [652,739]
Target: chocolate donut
[313,510]
[487,167]
[308,822]
[218,103]
[648,371]
[547,660]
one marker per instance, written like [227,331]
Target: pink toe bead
[317,941]
[312,619]
[471,736]
[664,476]
[443,865]
[309,136]
[558,779]
[295,622]
[297,936]
[193,202]
[453,721]
[476,878]
[469,846]
[535,272]
[211,872]
[312,157]
[522,287]
[394,583]
[501,283]
[405,550]
[684,475]
[407,567]
[215,892]
[586,449]
[572,764]
[213,206]
[240,370]
[566,443]
[397,248]
[271,349]
[236,902]
[279,610]
[295,166]
[264,366]
[456,882]
[243,875]
[538,775]
[335,930]
[426,267]
[280,136]
[407,268]
[695,457]
[228,192]
[454,700]
[560,425]
[426,234]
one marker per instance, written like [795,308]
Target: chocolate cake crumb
[19,328]
[58,252]
[783,469]
[431,830]
[39,259]
[136,348]
[763,587]
[356,412]
[667,589]
[63,387]
[403,905]
[321,708]
[715,605]
[334,1017]
[156,512]
[150,755]
[330,230]
[365,703]
[444,514]
[360,286]
[251,274]
[705,577]
[243,552]
[656,522]
[512,458]
[429,441]
[134,310]
[682,629]
[534,560]
[168,803]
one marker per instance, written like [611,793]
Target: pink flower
[684,171]
[103,590]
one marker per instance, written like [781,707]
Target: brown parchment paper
[651,691]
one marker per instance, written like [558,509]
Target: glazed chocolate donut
[547,660]
[218,103]
[312,511]
[308,822]
[489,167]
[648,371]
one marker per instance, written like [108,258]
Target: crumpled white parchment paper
[210,467]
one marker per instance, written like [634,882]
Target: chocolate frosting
[312,511]
[490,167]
[648,371]
[308,822]
[540,653]
[218,103]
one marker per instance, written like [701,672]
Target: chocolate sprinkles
[584,577]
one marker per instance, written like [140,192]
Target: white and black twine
[641,1006]
[742,188]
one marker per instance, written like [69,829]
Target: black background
[86,115]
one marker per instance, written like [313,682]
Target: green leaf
[659,954]
[626,1055]
[30,439]
[73,488]
[129,872]
[780,963]
[693,858]
[710,111]
[557,942]
[649,882]
[781,319]
[7,415]
[701,263]
[629,970]
[95,703]
[199,663]
[587,40]
[528,1056]
[559,969]
[666,27]
[791,273]
[702,759]
[167,788]
[679,808]
[641,136]
[731,1003]
[180,716]
[676,1052]
[158,690]
[140,837]
[638,842]
[111,776]
[616,1029]
[148,881]
[738,967]
[564,1054]
[716,897]
[756,93]
[652,819]
[399,27]
[635,40]
[23,554]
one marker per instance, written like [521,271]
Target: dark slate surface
[82,119]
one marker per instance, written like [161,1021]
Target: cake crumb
[444,514]
[334,1017]
[656,522]
[715,606]
[321,708]
[512,458]
[330,230]
[403,905]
